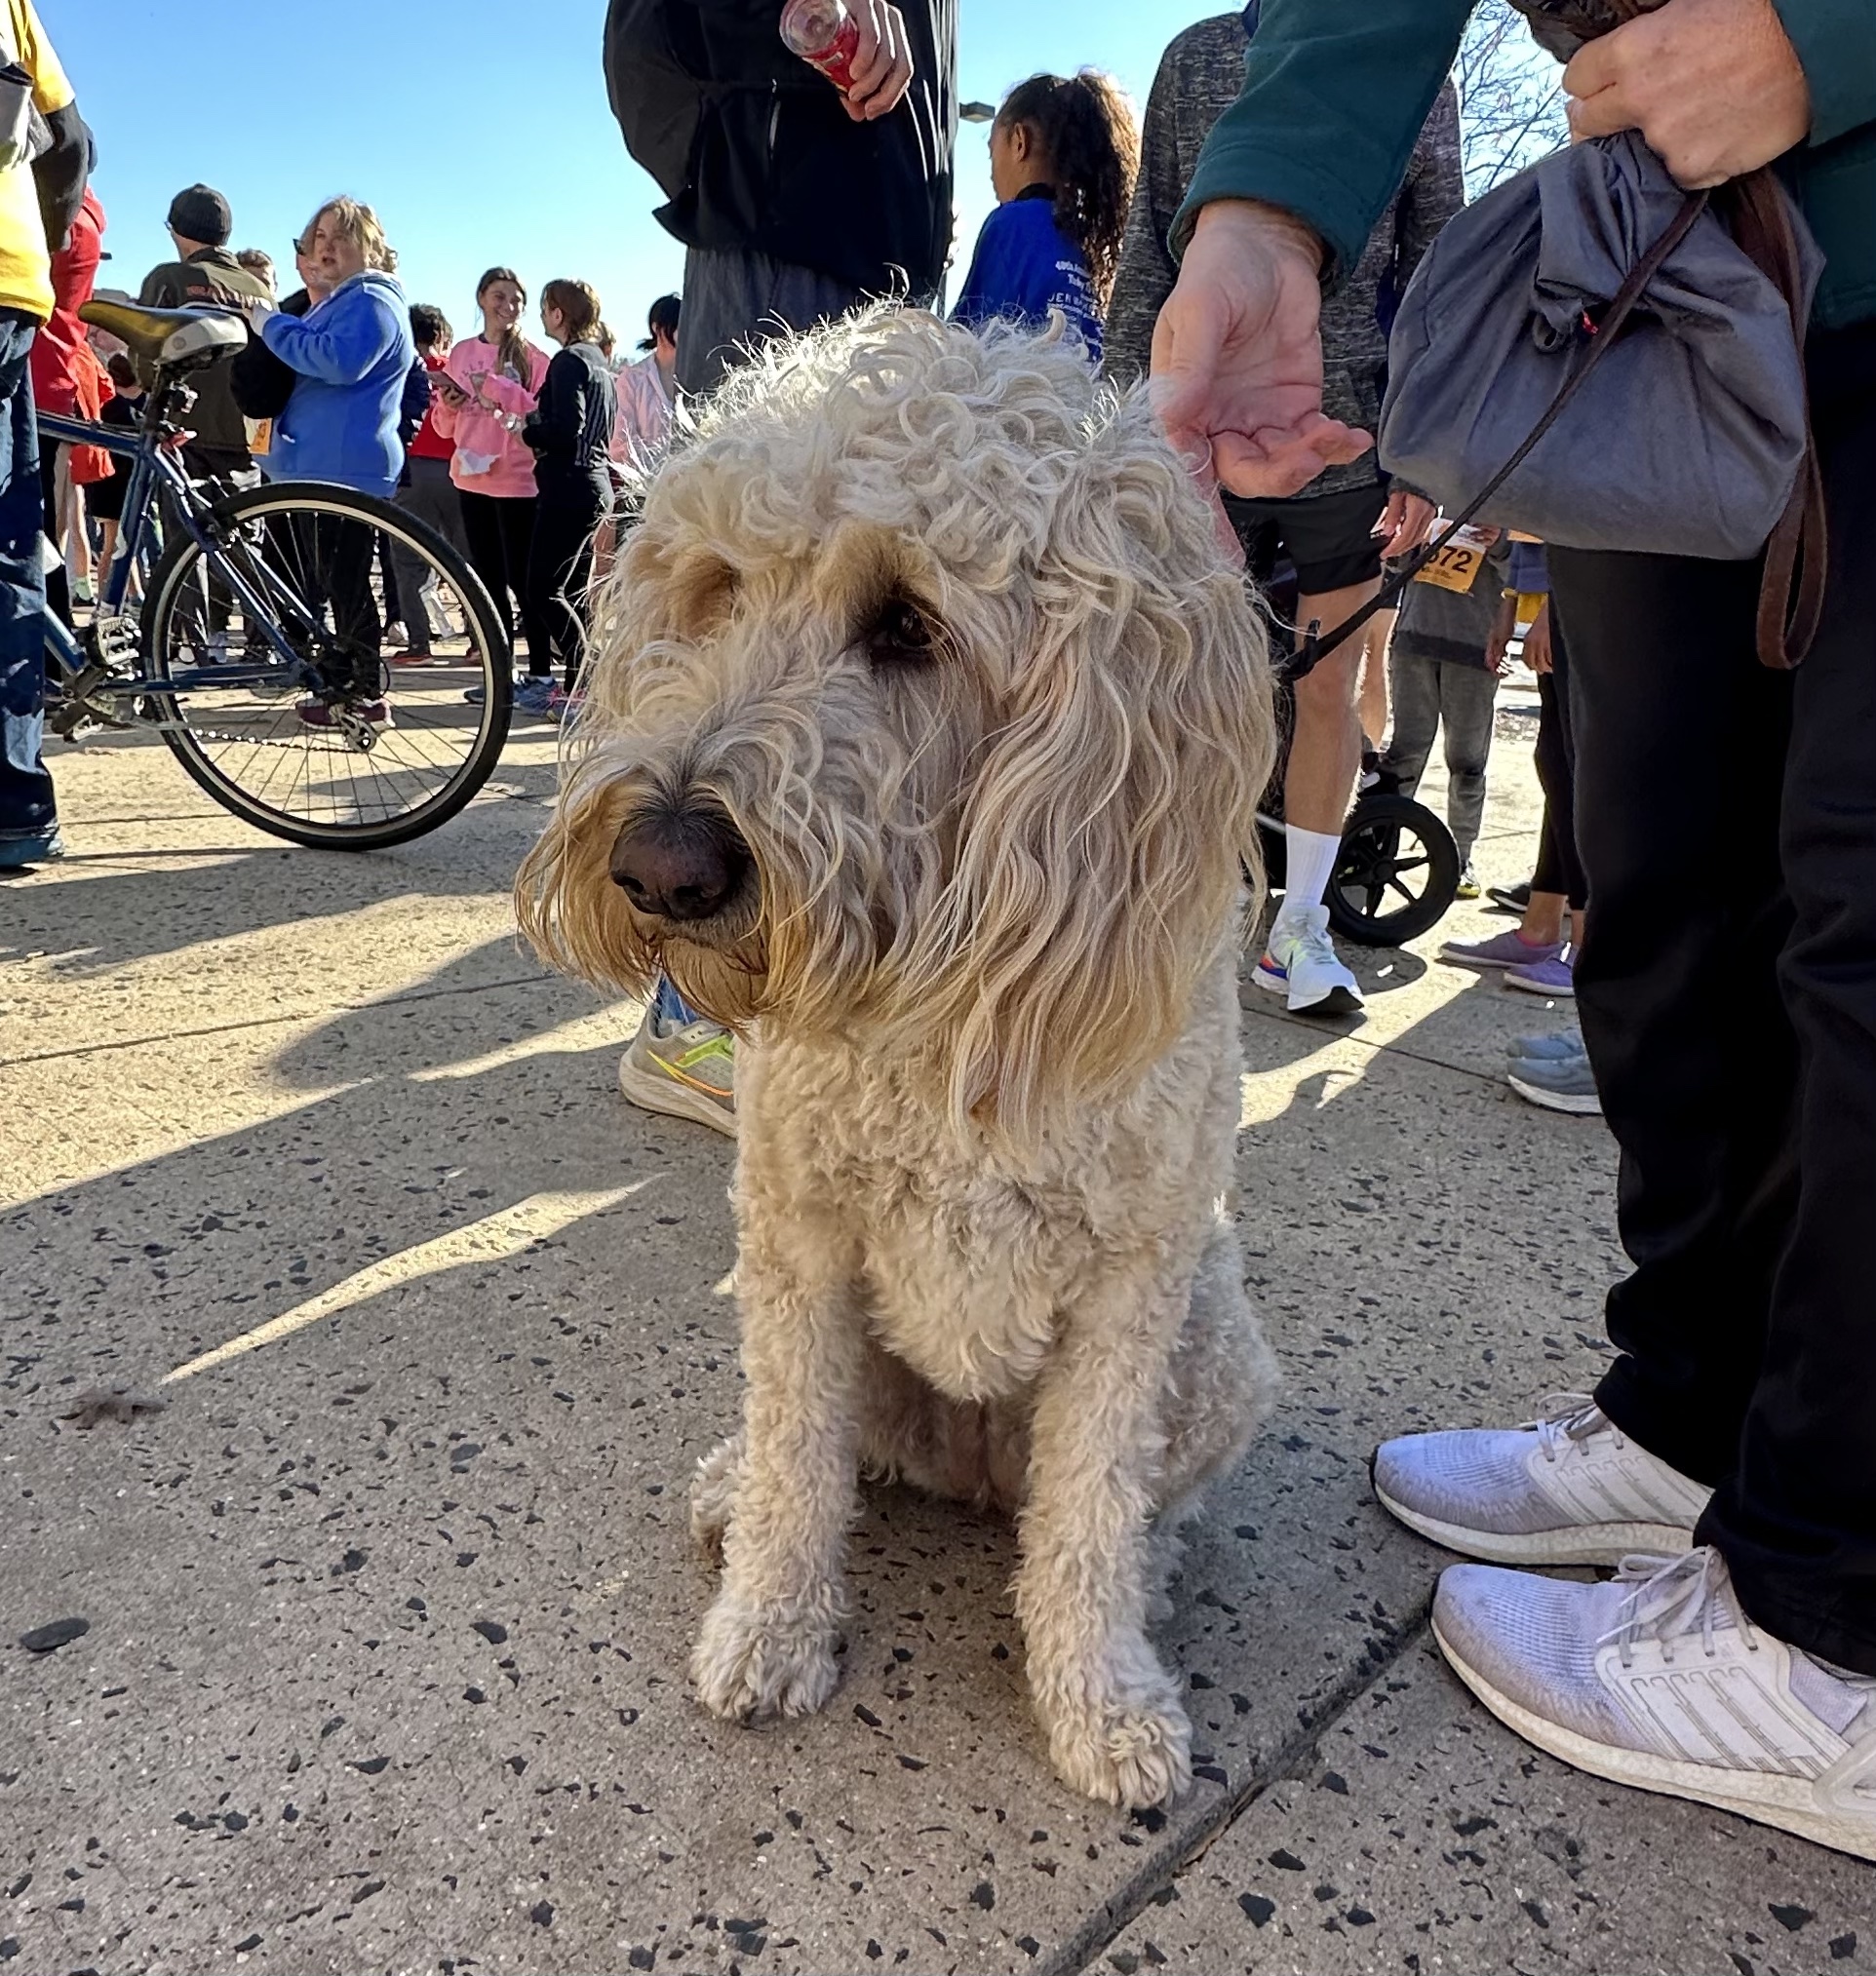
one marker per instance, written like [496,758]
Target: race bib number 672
[1457,562]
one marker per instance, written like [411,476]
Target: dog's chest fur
[965,1258]
[965,1274]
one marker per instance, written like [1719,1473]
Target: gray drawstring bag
[1689,435]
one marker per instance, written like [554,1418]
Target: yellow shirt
[25,266]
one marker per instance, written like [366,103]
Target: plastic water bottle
[825,35]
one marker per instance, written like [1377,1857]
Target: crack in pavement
[1292,1759]
[1380,1045]
[275,1021]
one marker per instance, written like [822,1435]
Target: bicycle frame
[154,470]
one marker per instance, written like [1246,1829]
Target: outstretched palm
[1237,357]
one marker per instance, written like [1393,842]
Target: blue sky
[478,130]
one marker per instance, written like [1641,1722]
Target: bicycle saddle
[170,338]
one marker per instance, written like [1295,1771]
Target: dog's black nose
[684,864]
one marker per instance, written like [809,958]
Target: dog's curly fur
[942,629]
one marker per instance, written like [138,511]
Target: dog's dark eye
[901,634]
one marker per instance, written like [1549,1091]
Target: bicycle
[257,652]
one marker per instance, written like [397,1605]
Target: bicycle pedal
[72,715]
[112,639]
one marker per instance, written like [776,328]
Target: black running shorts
[1328,537]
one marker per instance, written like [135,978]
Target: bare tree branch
[1510,99]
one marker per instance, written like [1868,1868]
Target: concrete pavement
[389,1601]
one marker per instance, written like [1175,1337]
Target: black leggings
[500,532]
[559,568]
[1727,987]
[1559,867]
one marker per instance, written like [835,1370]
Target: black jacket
[570,427]
[259,382]
[211,278]
[63,155]
[753,148]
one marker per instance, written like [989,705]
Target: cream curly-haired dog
[925,732]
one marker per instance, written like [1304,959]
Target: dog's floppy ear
[1101,848]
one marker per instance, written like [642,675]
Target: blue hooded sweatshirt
[353,353]
[1024,266]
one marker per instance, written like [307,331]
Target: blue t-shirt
[1024,266]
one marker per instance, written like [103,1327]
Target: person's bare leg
[1372,705]
[1543,921]
[78,544]
[1300,960]
[1325,750]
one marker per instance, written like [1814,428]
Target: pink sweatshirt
[491,457]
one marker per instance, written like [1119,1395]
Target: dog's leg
[1222,1385]
[1115,1727]
[767,1642]
[1223,1379]
[1165,1555]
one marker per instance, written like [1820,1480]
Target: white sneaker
[682,1071]
[1301,963]
[1571,1489]
[430,597]
[1657,1678]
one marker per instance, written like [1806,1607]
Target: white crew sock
[1310,857]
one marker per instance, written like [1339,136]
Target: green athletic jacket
[1335,93]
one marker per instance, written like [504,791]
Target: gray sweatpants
[428,495]
[736,295]
[1430,694]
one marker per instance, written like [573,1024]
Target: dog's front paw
[753,1660]
[1131,1749]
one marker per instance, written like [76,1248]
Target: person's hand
[880,65]
[1498,642]
[1237,355]
[1405,523]
[1536,641]
[454,393]
[1714,85]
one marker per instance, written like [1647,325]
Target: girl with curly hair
[1063,153]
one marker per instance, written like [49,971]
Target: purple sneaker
[1555,977]
[1503,950]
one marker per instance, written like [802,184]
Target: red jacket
[61,355]
[429,444]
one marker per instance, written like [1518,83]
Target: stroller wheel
[1396,873]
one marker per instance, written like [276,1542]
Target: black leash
[1600,333]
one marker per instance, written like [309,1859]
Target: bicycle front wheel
[277,692]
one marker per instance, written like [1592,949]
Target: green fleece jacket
[1335,93]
